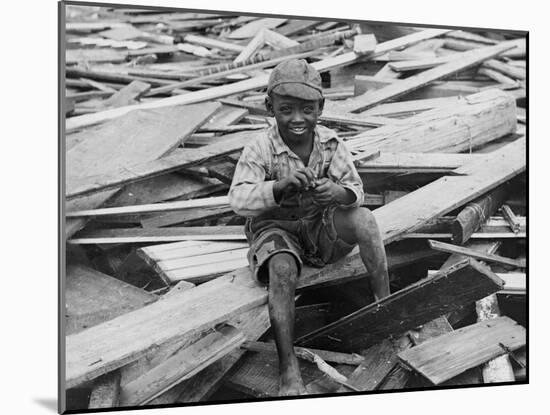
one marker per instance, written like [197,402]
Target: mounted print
[261,206]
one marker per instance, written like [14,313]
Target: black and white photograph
[263,207]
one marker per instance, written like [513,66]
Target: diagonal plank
[464,61]
[406,309]
[451,354]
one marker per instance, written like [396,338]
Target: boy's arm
[250,194]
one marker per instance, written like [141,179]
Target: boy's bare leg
[358,226]
[283,274]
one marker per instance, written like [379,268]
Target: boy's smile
[296,118]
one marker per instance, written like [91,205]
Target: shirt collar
[321,135]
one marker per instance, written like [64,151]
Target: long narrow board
[154,207]
[414,162]
[449,355]
[181,366]
[416,304]
[464,61]
[139,235]
[111,345]
[454,249]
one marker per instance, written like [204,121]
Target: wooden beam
[454,249]
[451,354]
[398,88]
[475,213]
[253,324]
[401,311]
[414,162]
[247,85]
[181,366]
[155,207]
[105,392]
[139,235]
[329,356]
[483,117]
[511,218]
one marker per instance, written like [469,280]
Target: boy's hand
[327,192]
[299,179]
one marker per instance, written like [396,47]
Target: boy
[301,194]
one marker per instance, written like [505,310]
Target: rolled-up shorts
[311,239]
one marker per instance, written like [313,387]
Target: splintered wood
[160,304]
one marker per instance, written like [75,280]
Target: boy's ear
[269,106]
[321,105]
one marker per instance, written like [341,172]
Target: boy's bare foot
[291,383]
[292,388]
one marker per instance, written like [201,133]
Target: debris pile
[160,306]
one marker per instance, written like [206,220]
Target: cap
[295,78]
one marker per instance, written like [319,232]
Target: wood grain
[446,356]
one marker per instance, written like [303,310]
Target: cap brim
[298,90]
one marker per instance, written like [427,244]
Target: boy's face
[296,118]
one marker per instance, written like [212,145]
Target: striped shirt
[268,159]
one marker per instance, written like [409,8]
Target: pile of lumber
[159,302]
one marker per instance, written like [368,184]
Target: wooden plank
[414,65]
[127,95]
[143,136]
[179,159]
[155,207]
[414,162]
[186,249]
[199,274]
[512,71]
[277,40]
[181,366]
[449,355]
[475,213]
[484,117]
[106,346]
[204,259]
[251,29]
[295,26]
[105,392]
[252,47]
[253,324]
[138,235]
[401,311]
[511,218]
[498,369]
[454,249]
[182,217]
[92,297]
[117,342]
[329,356]
[377,362]
[247,85]
[398,88]
[74,56]
[212,43]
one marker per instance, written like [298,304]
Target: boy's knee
[283,265]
